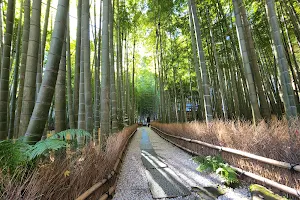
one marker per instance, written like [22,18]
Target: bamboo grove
[234,60]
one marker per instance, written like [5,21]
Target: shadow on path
[163,181]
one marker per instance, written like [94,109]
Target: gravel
[133,184]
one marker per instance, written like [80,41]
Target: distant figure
[148,121]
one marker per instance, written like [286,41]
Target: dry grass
[49,180]
[273,140]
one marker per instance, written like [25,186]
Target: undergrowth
[17,154]
[39,172]
[276,139]
[216,164]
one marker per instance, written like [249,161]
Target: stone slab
[151,161]
[164,183]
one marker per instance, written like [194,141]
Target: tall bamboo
[105,72]
[265,110]
[25,38]
[87,70]
[81,123]
[219,70]
[60,94]
[245,58]
[77,62]
[42,48]
[15,80]
[5,68]
[205,81]
[41,109]
[113,95]
[96,80]
[196,61]
[69,81]
[287,88]
[31,67]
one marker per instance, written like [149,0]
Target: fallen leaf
[67,173]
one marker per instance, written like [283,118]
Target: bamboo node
[292,168]
[221,149]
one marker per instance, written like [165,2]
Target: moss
[267,194]
[211,192]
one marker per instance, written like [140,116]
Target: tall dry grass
[52,181]
[276,139]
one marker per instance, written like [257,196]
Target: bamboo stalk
[269,182]
[91,190]
[104,197]
[270,161]
[112,189]
[110,192]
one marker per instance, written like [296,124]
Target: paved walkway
[163,181]
[154,168]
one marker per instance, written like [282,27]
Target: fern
[216,164]
[73,133]
[41,147]
[16,154]
[13,154]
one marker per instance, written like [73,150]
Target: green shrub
[216,164]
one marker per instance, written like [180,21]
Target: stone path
[163,182]
[154,168]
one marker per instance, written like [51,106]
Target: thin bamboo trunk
[5,69]
[15,80]
[77,63]
[119,65]
[105,73]
[25,38]
[69,82]
[161,75]
[126,83]
[219,71]
[1,36]
[60,94]
[248,73]
[207,97]
[133,82]
[288,93]
[31,67]
[184,118]
[175,94]
[96,78]
[42,49]
[196,63]
[87,64]
[113,95]
[81,107]
[264,106]
[192,96]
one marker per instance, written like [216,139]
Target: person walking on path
[148,121]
